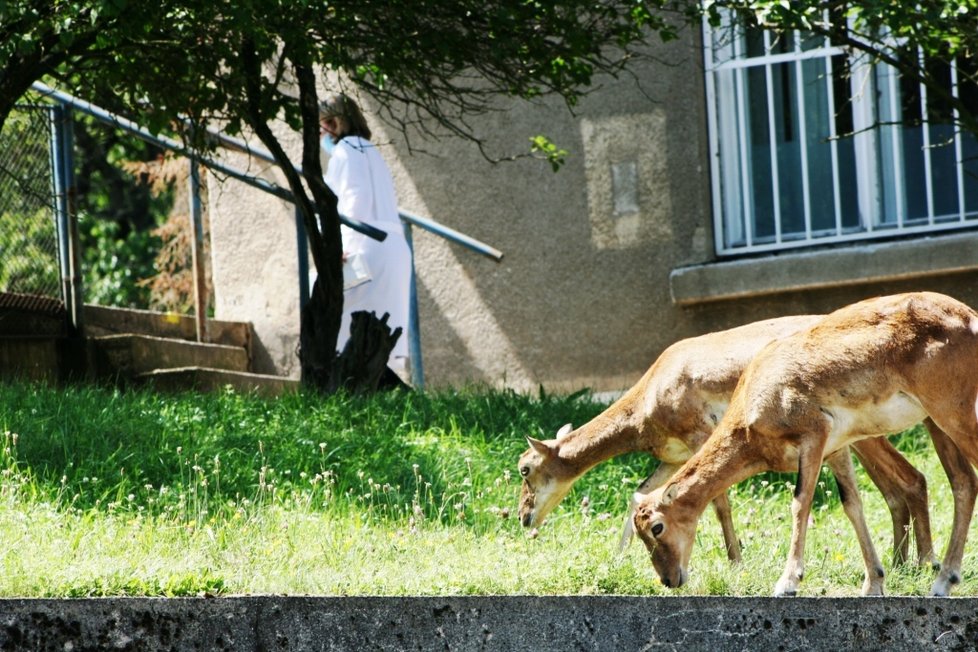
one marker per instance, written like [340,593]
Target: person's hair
[347,113]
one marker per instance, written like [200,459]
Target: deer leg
[809,463]
[904,489]
[662,473]
[845,477]
[964,489]
[721,506]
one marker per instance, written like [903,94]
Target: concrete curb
[568,623]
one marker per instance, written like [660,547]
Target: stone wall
[513,624]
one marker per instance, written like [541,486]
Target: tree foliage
[431,64]
[29,265]
[921,40]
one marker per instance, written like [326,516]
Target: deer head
[546,479]
[668,537]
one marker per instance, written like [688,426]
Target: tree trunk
[362,367]
[317,339]
[363,364]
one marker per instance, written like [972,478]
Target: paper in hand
[355,271]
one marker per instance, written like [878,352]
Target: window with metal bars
[811,144]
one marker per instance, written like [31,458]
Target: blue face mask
[328,144]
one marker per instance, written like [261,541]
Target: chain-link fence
[29,267]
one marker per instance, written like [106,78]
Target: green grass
[106,492]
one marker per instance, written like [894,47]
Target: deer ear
[564,430]
[669,494]
[539,446]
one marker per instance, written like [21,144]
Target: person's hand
[346,254]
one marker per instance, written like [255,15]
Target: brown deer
[672,410]
[872,368]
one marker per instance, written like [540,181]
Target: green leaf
[544,147]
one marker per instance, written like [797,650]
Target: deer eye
[524,471]
[657,529]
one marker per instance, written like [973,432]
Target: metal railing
[199,158]
[428,224]
[408,221]
[174,145]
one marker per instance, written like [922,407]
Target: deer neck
[606,436]
[723,461]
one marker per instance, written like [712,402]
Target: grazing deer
[672,410]
[872,368]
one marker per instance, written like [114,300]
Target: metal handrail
[451,234]
[229,142]
[408,219]
[172,144]
[426,223]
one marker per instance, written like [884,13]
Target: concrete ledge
[130,354]
[203,379]
[488,623]
[868,263]
[105,320]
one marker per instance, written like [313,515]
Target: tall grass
[109,492]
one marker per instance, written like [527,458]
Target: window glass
[967,87]
[788,144]
[760,154]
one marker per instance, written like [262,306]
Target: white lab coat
[362,182]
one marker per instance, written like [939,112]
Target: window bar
[789,57]
[721,190]
[720,229]
[925,135]
[866,95]
[745,171]
[803,146]
[720,218]
[898,159]
[958,145]
[773,145]
[833,132]
[772,137]
[833,145]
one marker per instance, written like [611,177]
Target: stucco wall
[254,259]
[582,297]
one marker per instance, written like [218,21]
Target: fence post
[66,219]
[197,253]
[414,323]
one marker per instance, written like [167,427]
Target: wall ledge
[790,272]
[512,623]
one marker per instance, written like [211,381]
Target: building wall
[591,289]
[254,260]
[582,295]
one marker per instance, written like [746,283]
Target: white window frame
[733,203]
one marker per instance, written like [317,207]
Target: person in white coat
[378,273]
